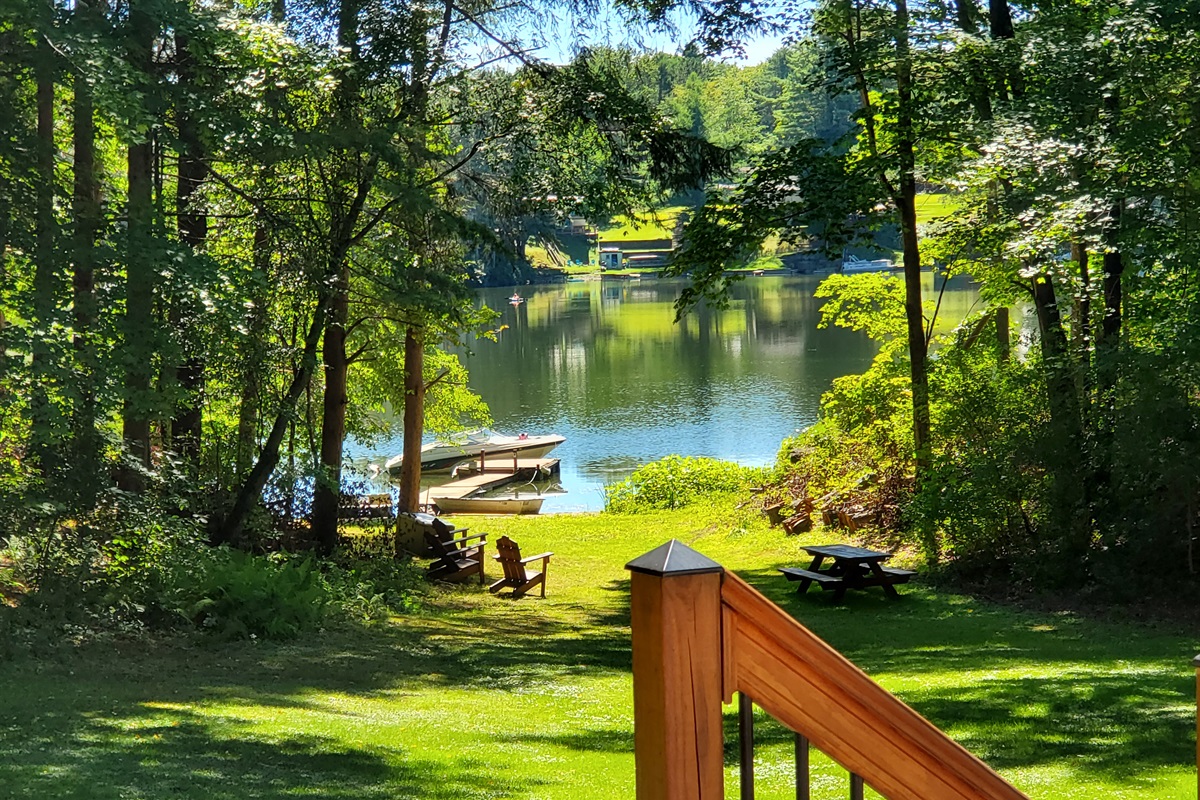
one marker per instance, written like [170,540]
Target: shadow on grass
[593,740]
[134,752]
[1042,690]
[108,724]
[1018,690]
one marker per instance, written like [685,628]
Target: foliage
[131,569]
[239,595]
[370,584]
[858,455]
[675,482]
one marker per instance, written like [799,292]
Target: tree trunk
[980,92]
[1114,268]
[1000,17]
[906,203]
[254,358]
[1002,333]
[5,210]
[186,424]
[87,212]
[414,419]
[43,436]
[333,421]
[1082,329]
[233,526]
[1011,83]
[252,363]
[1071,487]
[345,214]
[1055,355]
[139,324]
[906,200]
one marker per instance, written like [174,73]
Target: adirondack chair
[516,576]
[455,558]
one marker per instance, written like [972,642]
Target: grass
[658,224]
[486,697]
[931,206]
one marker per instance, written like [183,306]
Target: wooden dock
[520,467]
[492,473]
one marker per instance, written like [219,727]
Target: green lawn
[658,224]
[485,697]
[931,206]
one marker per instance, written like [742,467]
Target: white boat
[442,456]
[854,264]
[489,505]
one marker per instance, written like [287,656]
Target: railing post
[675,598]
[1196,664]
[746,745]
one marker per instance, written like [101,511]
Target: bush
[238,595]
[675,482]
[127,573]
[369,584]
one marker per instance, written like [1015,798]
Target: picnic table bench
[852,568]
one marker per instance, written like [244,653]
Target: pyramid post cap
[673,558]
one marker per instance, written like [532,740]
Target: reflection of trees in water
[599,348]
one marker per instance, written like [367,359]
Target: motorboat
[516,299]
[854,264]
[441,456]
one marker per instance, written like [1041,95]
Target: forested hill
[750,111]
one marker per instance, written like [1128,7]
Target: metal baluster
[856,787]
[803,791]
[746,744]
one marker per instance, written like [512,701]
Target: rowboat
[441,456]
[489,505]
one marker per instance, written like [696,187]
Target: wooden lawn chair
[516,576]
[454,558]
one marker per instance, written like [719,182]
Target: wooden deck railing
[700,634]
[1196,664]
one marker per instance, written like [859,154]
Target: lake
[605,364]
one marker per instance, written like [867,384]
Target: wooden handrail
[1196,664]
[817,692]
[700,634]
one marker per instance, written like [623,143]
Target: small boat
[516,299]
[489,505]
[854,264]
[443,455]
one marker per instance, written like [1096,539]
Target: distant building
[610,258]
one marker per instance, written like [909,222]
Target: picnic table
[851,568]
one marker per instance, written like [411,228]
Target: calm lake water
[605,364]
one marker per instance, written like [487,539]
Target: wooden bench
[366,507]
[901,575]
[808,577]
[455,559]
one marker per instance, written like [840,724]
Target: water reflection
[606,365]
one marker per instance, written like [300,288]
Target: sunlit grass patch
[930,206]
[658,224]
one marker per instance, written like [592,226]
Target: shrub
[369,584]
[238,595]
[675,482]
